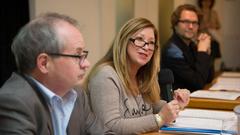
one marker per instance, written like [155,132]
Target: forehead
[188,15]
[71,36]
[145,32]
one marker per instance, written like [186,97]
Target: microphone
[165,81]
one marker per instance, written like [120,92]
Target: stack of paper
[228,84]
[198,121]
[226,95]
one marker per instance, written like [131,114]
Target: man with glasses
[40,98]
[187,51]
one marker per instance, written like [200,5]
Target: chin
[142,63]
[188,37]
[79,83]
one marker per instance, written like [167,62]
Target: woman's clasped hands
[170,111]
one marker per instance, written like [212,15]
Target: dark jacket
[24,111]
[190,67]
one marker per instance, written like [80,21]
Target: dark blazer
[24,111]
[190,67]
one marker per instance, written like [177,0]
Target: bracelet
[159,120]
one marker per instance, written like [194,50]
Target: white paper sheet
[228,84]
[207,119]
[211,114]
[226,95]
[198,123]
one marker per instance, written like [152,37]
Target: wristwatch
[159,120]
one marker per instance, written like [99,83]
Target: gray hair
[38,36]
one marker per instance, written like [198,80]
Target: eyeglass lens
[188,22]
[83,57]
[139,41]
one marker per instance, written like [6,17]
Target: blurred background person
[188,60]
[211,25]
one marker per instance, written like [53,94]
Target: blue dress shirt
[60,107]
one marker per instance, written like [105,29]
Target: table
[213,103]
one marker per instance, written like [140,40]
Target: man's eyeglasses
[139,42]
[81,57]
[188,22]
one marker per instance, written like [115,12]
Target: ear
[42,62]
[174,27]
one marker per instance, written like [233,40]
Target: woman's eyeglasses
[139,42]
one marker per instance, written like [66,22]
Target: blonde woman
[123,85]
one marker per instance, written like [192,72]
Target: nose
[146,46]
[86,64]
[190,25]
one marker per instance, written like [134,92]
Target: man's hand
[204,43]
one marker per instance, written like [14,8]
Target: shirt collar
[50,96]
